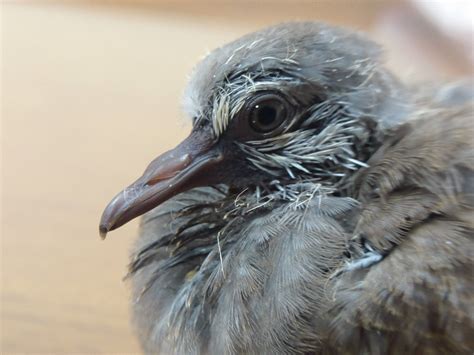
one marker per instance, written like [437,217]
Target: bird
[319,206]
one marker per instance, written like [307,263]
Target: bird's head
[288,104]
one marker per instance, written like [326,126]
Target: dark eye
[267,113]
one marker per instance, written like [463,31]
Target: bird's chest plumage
[258,284]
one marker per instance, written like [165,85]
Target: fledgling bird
[318,206]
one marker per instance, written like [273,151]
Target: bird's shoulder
[417,205]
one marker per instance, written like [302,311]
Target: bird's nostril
[169,169]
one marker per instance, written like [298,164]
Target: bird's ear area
[264,114]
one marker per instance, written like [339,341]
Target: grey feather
[348,232]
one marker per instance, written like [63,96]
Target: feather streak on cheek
[221,114]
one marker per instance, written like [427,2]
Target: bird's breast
[253,277]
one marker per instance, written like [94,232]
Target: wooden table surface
[90,94]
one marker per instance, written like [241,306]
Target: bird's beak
[182,168]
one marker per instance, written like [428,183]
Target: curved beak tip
[103,230]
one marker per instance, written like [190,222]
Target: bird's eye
[267,113]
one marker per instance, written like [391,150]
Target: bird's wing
[417,216]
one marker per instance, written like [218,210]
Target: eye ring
[267,113]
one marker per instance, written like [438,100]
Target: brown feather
[419,299]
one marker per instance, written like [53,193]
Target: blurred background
[90,93]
